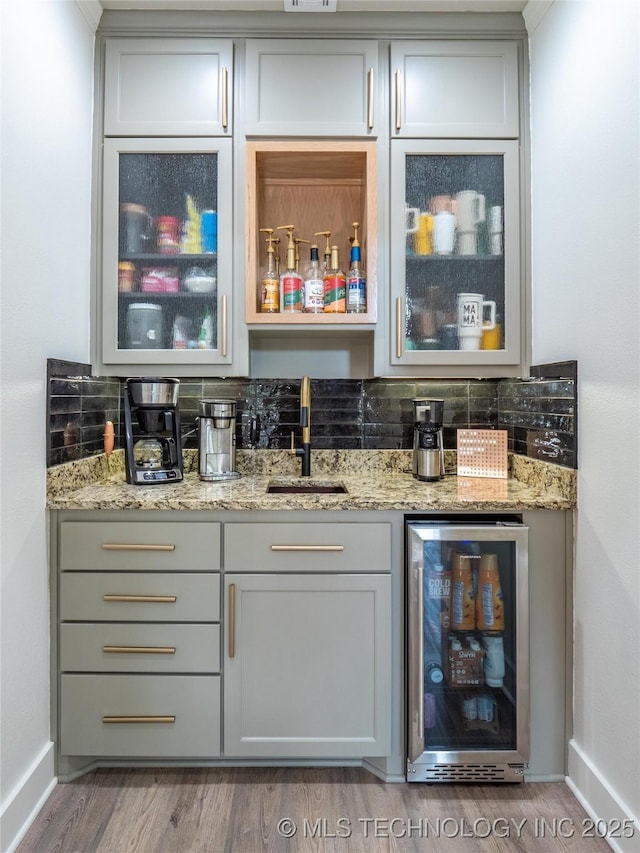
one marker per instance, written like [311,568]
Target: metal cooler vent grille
[472,773]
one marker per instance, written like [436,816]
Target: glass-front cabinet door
[166,265]
[455,234]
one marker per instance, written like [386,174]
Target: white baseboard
[26,800]
[602,803]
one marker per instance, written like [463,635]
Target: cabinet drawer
[124,647]
[132,597]
[348,547]
[175,716]
[139,546]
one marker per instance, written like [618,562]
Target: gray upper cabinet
[454,89]
[168,87]
[311,87]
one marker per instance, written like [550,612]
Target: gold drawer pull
[232,620]
[124,546]
[307,547]
[398,82]
[145,599]
[370,98]
[225,97]
[399,335]
[142,650]
[143,719]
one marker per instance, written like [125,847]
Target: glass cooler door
[467,652]
[166,249]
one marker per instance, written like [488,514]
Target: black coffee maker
[428,448]
[153,449]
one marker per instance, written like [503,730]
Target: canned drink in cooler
[470,708]
[486,708]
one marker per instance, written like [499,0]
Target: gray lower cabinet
[138,639]
[307,661]
[307,665]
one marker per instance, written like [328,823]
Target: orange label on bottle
[335,293]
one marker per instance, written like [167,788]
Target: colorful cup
[209,231]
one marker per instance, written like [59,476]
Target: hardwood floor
[338,810]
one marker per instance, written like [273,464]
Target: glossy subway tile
[539,413]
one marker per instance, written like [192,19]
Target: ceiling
[343,5]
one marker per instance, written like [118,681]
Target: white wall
[585,86]
[45,149]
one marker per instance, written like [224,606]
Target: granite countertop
[375,480]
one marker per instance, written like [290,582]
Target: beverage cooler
[467,650]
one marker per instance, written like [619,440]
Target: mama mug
[471,322]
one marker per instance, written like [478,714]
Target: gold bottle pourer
[291,246]
[355,226]
[297,241]
[269,240]
[326,234]
[276,243]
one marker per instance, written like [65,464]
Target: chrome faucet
[305,422]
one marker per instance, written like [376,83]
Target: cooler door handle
[370,98]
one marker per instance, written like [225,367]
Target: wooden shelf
[316,186]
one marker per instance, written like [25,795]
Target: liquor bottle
[290,280]
[313,285]
[335,286]
[356,282]
[270,283]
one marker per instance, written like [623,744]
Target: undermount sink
[288,488]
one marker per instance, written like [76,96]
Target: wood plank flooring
[337,810]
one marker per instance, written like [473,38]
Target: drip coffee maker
[216,425]
[153,449]
[428,448]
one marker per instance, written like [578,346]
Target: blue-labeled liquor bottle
[356,281]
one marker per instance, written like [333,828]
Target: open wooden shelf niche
[316,186]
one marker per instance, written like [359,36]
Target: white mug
[471,321]
[495,230]
[470,210]
[444,229]
[467,242]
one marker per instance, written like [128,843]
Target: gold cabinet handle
[370,97]
[232,620]
[139,650]
[399,336]
[125,546]
[307,547]
[225,96]
[144,599]
[223,325]
[140,719]
[398,87]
